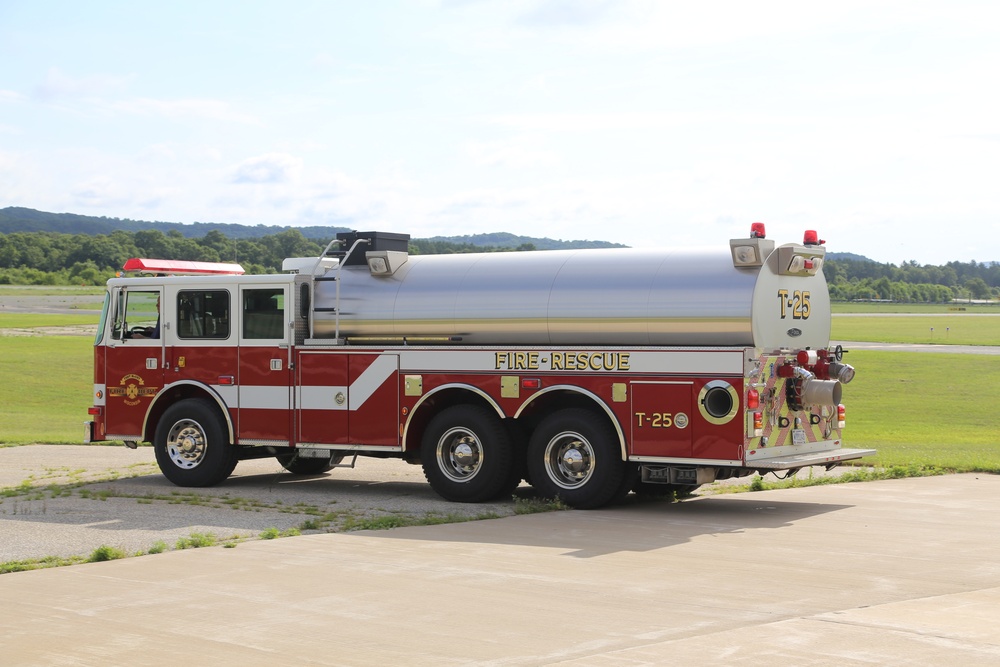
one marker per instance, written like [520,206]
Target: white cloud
[269,168]
[11,96]
[216,110]
[513,154]
[58,85]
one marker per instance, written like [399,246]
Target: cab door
[264,365]
[134,370]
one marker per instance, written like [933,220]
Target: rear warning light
[811,237]
[96,411]
[757,231]
[841,416]
[753,399]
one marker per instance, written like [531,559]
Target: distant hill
[17,219]
[506,240]
[847,257]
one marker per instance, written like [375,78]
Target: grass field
[45,386]
[46,290]
[940,329]
[915,308]
[917,409]
[33,320]
[925,409]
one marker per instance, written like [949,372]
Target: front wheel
[574,455]
[467,454]
[190,445]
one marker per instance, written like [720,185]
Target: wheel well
[179,392]
[560,399]
[430,406]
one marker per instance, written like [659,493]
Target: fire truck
[587,373]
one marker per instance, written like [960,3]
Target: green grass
[919,409]
[940,329]
[45,387]
[47,290]
[33,320]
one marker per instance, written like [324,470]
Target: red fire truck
[588,373]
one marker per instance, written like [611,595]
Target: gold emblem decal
[131,389]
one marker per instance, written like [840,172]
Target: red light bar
[179,267]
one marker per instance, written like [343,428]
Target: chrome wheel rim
[186,444]
[459,454]
[569,460]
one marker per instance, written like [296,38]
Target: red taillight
[96,411]
[757,230]
[753,399]
[841,412]
[758,421]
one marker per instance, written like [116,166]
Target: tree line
[852,280]
[52,258]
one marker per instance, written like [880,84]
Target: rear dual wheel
[467,455]
[575,455]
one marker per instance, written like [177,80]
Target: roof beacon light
[757,231]
[177,267]
[812,238]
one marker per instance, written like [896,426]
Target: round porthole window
[718,402]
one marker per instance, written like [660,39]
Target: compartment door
[661,418]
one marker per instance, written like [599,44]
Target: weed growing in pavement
[273,533]
[39,563]
[860,475]
[104,552]
[196,541]
[538,505]
[384,522]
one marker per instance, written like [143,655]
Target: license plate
[798,436]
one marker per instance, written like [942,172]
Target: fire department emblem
[131,389]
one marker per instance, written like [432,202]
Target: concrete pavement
[901,572]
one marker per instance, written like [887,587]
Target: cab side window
[203,314]
[137,314]
[264,313]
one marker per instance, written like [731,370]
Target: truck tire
[467,455]
[574,455]
[190,445]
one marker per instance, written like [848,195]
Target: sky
[642,122]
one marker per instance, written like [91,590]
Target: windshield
[104,319]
